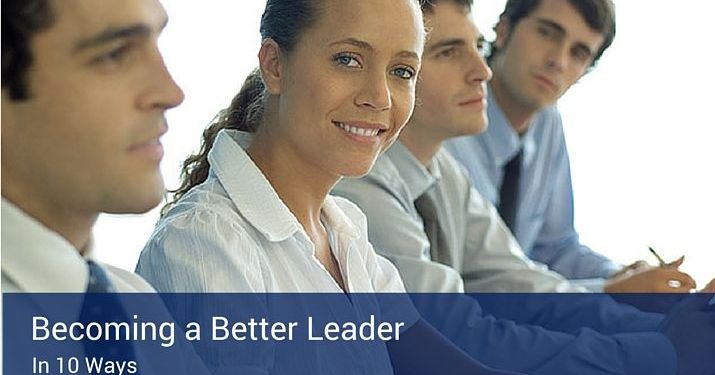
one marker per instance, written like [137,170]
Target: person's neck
[421,143]
[518,115]
[72,224]
[300,185]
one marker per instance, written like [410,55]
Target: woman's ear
[270,63]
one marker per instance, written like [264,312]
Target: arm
[526,348]
[423,350]
[196,253]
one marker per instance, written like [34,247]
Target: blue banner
[354,333]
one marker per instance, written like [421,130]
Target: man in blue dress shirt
[520,163]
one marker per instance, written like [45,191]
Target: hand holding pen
[642,278]
[710,288]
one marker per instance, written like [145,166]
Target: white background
[639,128]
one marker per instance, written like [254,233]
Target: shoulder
[202,230]
[551,113]
[549,121]
[198,248]
[381,188]
[453,173]
[384,173]
[204,210]
[469,146]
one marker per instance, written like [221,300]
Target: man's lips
[475,100]
[545,80]
[151,148]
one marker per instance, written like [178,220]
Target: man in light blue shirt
[521,163]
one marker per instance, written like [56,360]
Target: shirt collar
[419,178]
[38,259]
[248,187]
[338,221]
[503,140]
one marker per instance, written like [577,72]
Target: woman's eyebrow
[368,47]
[354,42]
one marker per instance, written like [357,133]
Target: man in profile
[84,91]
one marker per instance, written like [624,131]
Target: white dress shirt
[233,233]
[37,259]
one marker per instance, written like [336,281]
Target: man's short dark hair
[600,15]
[428,5]
[21,19]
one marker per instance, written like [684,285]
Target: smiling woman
[334,87]
[361,89]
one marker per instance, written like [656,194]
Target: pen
[661,262]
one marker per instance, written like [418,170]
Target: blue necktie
[509,190]
[102,304]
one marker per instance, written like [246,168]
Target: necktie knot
[98,280]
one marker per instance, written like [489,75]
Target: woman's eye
[347,60]
[404,73]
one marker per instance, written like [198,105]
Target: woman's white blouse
[233,233]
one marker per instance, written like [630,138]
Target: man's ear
[502,29]
[271,66]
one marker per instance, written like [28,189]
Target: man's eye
[113,56]
[581,55]
[546,32]
[445,53]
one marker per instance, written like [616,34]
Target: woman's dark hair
[21,19]
[284,21]
[600,15]
[428,5]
